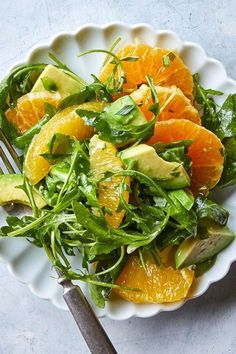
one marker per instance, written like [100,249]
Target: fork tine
[10,150]
[6,161]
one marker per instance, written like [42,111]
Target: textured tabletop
[29,325]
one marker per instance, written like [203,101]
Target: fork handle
[88,323]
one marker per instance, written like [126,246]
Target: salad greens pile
[73,222]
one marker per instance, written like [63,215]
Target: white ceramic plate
[29,264]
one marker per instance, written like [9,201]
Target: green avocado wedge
[54,79]
[11,194]
[172,175]
[198,249]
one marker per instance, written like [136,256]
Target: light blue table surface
[29,325]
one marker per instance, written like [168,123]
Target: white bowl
[28,263]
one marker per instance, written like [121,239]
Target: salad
[118,171]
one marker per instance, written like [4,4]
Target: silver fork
[86,319]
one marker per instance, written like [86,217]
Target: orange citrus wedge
[103,158]
[157,284]
[178,107]
[206,151]
[164,66]
[30,109]
[65,122]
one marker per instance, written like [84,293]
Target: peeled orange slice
[165,67]
[30,109]
[65,122]
[157,284]
[206,151]
[178,107]
[103,158]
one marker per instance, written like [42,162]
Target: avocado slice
[125,110]
[11,194]
[66,83]
[148,162]
[196,250]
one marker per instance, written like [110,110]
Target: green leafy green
[9,129]
[114,83]
[130,59]
[227,118]
[204,98]
[49,84]
[168,58]
[155,107]
[96,295]
[176,153]
[228,177]
[180,213]
[119,125]
[59,63]
[95,91]
[17,83]
[222,122]
[207,209]
[84,95]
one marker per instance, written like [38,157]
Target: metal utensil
[86,319]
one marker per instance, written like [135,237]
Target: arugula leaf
[228,177]
[115,81]
[130,59]
[60,144]
[96,295]
[186,218]
[8,128]
[207,209]
[49,84]
[19,81]
[223,121]
[114,44]
[59,63]
[77,98]
[178,154]
[223,124]
[120,129]
[185,198]
[227,118]
[155,107]
[168,58]
[88,189]
[209,108]
[172,236]
[157,228]
[106,237]
[95,91]
[100,89]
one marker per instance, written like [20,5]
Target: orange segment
[158,284]
[179,107]
[206,151]
[65,122]
[103,158]
[30,109]
[150,62]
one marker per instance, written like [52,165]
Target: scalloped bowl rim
[48,44]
